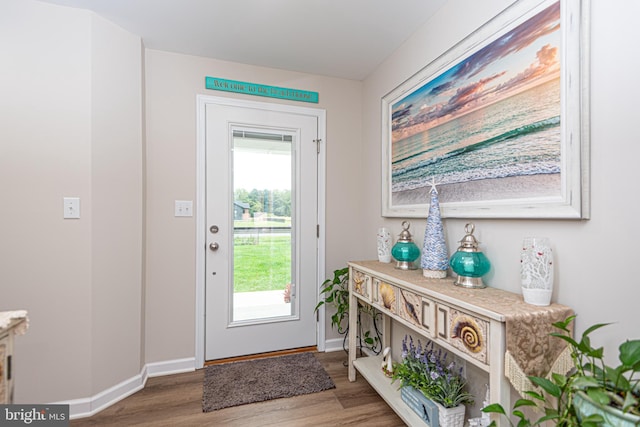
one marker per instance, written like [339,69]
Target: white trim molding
[334,344]
[86,407]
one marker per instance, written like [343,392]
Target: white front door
[262,217]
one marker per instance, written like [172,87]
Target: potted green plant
[591,393]
[426,371]
[336,295]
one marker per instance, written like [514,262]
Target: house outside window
[240,210]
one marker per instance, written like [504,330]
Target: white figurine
[387,362]
[485,418]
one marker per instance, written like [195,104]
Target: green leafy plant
[616,387]
[336,295]
[427,370]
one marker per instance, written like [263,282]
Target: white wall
[172,83]
[70,125]
[593,257]
[117,216]
[46,155]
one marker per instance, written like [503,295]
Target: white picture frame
[539,166]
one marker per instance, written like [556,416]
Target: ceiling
[337,38]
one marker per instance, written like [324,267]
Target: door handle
[214,246]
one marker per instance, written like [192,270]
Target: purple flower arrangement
[426,369]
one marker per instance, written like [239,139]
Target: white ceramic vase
[384,245]
[536,270]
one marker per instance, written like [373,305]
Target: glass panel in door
[262,234]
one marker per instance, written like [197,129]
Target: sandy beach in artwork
[514,187]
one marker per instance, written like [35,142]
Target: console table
[489,328]
[11,323]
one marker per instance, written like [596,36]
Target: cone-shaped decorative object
[435,260]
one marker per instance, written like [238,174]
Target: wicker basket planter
[432,413]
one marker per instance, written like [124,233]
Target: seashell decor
[387,296]
[468,331]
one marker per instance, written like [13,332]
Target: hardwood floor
[176,400]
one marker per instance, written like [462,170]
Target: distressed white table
[471,323]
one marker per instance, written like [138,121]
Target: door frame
[200,208]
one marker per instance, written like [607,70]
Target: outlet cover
[184,208]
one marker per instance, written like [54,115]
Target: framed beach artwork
[499,122]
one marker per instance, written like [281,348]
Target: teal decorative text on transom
[215,83]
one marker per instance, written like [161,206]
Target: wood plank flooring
[176,400]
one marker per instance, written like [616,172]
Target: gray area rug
[239,383]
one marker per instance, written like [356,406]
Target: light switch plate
[184,208]
[71,208]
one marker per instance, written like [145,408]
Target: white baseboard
[81,408]
[334,344]
[169,367]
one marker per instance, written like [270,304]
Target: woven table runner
[531,350]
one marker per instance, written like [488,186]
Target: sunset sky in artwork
[526,56]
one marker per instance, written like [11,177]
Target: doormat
[239,383]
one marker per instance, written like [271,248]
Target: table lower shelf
[371,369]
